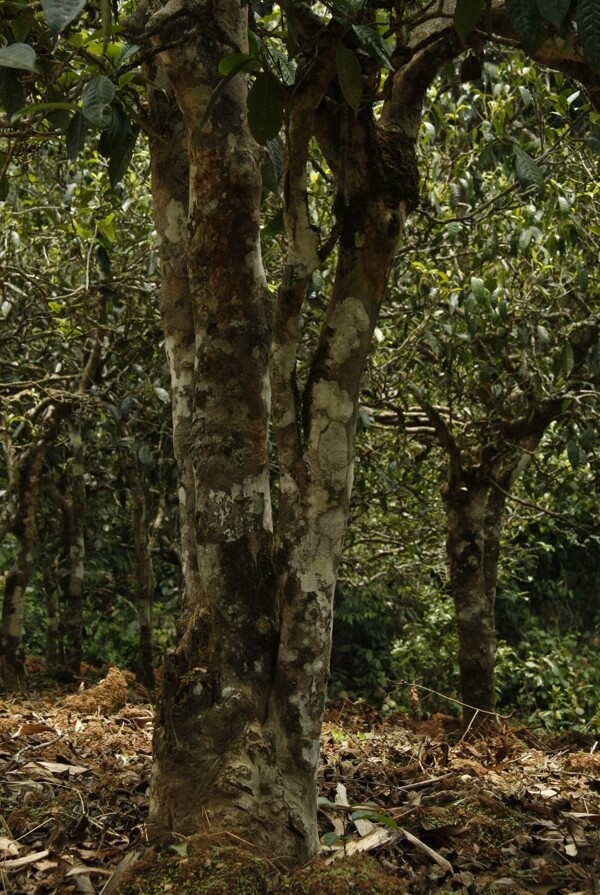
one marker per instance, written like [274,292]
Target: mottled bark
[170,193]
[237,735]
[217,321]
[472,547]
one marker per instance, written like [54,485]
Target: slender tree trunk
[144,573]
[170,192]
[473,561]
[24,529]
[75,512]
[53,652]
[237,734]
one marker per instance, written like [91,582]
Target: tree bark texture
[237,735]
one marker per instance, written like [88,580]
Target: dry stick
[454,700]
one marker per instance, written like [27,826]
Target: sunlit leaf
[239,62]
[162,394]
[543,335]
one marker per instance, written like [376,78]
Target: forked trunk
[237,735]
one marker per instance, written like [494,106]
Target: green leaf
[145,455]
[272,169]
[42,107]
[573,454]
[234,60]
[20,56]
[554,11]
[121,154]
[265,107]
[330,838]
[477,288]
[588,25]
[97,97]
[324,802]
[349,75]
[22,24]
[285,67]
[587,440]
[348,7]
[114,131]
[525,18]
[254,43]
[565,361]
[375,817]
[466,16]
[543,335]
[12,96]
[528,170]
[59,13]
[371,40]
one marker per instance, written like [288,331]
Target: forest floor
[407,806]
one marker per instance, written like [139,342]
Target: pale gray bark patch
[348,321]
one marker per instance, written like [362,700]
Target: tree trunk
[24,528]
[472,548]
[75,514]
[475,499]
[236,743]
[53,651]
[144,574]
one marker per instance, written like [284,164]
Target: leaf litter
[507,813]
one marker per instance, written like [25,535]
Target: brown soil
[407,806]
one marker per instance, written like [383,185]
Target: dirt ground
[406,806]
